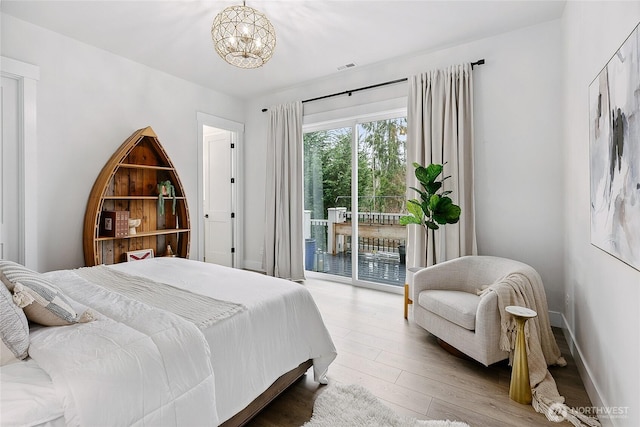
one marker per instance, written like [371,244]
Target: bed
[172,342]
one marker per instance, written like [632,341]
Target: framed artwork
[614,151]
[138,255]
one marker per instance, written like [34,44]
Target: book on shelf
[114,224]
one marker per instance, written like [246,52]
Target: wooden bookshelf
[129,182]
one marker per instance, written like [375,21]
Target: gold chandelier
[243,36]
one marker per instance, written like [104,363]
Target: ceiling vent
[344,67]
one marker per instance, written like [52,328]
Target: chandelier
[243,36]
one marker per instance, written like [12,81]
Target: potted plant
[434,208]
[166,189]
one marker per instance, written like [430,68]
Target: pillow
[14,330]
[40,299]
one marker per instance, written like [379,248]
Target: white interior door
[10,199]
[19,162]
[218,197]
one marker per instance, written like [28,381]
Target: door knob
[206,215]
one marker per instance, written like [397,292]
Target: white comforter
[142,365]
[281,328]
[134,365]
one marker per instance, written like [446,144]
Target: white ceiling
[314,37]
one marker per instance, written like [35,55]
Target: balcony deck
[380,239]
[384,268]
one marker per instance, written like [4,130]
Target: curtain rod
[349,92]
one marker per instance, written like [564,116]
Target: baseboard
[585,373]
[556,319]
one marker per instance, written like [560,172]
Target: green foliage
[166,189]
[432,209]
[381,167]
[383,145]
[327,170]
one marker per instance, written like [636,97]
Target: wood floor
[403,365]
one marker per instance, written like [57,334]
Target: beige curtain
[440,130]
[283,251]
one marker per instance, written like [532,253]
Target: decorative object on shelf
[166,189]
[614,134]
[139,255]
[114,223]
[169,252]
[434,208]
[129,182]
[133,224]
[243,36]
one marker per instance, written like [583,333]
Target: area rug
[355,406]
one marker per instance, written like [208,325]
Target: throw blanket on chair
[525,289]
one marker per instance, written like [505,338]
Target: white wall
[604,293]
[89,102]
[531,158]
[518,142]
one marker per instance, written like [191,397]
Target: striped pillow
[14,330]
[40,299]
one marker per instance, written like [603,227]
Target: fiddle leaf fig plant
[434,208]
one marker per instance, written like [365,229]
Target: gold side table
[520,387]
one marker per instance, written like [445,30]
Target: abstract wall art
[614,131]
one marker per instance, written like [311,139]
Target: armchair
[446,303]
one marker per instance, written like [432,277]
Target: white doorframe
[237,128]
[27,76]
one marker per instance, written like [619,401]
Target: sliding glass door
[327,198]
[354,193]
[381,200]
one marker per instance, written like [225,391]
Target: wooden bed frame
[260,402]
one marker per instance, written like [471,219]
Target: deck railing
[382,245]
[376,217]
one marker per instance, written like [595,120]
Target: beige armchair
[446,303]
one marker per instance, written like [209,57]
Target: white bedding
[280,329]
[28,397]
[125,368]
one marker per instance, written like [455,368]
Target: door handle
[206,215]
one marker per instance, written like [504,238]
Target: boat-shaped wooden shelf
[129,182]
